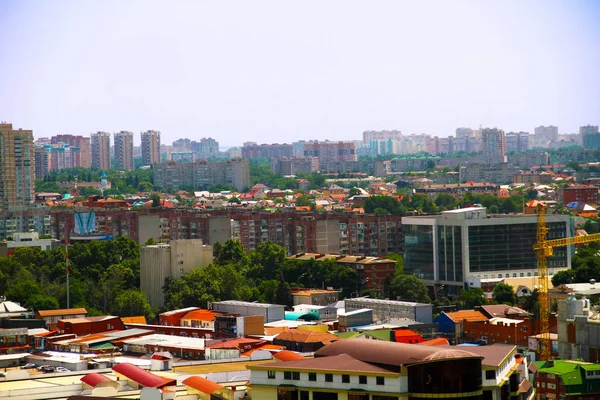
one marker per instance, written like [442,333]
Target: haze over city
[279,72]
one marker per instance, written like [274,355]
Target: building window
[295,376]
[312,376]
[328,377]
[271,374]
[345,378]
[287,375]
[490,374]
[380,380]
[362,379]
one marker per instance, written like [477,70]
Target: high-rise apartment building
[590,137]
[81,145]
[494,144]
[42,162]
[150,147]
[100,143]
[124,150]
[331,151]
[202,174]
[206,148]
[517,141]
[547,132]
[368,136]
[17,167]
[251,150]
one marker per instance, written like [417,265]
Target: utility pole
[67,270]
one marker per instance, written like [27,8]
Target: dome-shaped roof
[448,354]
[103,175]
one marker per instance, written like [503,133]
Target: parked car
[46,369]
[62,369]
[2,374]
[28,366]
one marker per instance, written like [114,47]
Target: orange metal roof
[436,342]
[134,320]
[467,315]
[305,336]
[201,384]
[64,311]
[201,315]
[286,355]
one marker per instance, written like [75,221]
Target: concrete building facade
[331,151]
[202,174]
[590,137]
[124,150]
[79,142]
[17,167]
[100,144]
[170,260]
[150,147]
[494,144]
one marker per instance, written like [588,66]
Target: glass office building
[461,244]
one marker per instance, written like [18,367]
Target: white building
[31,239]
[271,312]
[170,260]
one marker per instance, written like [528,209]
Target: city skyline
[271,72]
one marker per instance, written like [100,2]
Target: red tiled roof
[201,384]
[94,379]
[142,377]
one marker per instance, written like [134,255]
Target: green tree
[230,252]
[353,192]
[132,302]
[304,200]
[531,303]
[471,298]
[504,294]
[563,277]
[38,302]
[399,262]
[409,287]
[155,200]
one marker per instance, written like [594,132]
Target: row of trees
[122,182]
[104,278]
[423,203]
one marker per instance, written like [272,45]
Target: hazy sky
[279,71]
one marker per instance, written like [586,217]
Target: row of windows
[312,377]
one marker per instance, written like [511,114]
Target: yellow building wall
[314,328]
[263,392]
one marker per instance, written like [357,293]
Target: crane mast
[544,248]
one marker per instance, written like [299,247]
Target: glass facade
[418,251]
[510,247]
[450,255]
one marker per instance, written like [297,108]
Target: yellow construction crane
[544,249]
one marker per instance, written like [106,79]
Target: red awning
[94,379]
[142,377]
